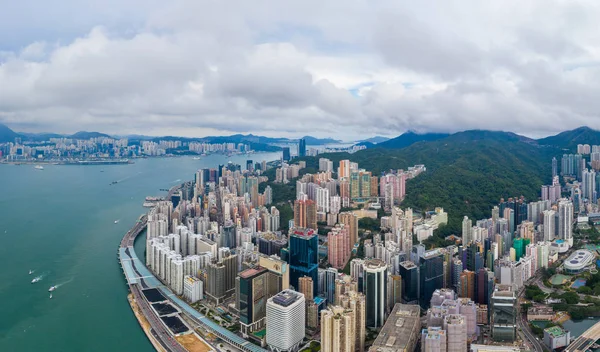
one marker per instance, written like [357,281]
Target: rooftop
[401,325]
[555,331]
[286,298]
[408,264]
[252,272]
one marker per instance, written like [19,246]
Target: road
[524,329]
[139,277]
[158,329]
[585,340]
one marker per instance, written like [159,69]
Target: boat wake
[63,283]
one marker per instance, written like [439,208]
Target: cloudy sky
[341,68]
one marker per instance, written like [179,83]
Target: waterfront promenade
[160,333]
[140,278]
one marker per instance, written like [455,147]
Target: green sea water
[59,222]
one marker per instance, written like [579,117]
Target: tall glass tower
[303,257]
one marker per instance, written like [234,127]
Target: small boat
[196,158]
[38,167]
[35,279]
[116,221]
[52,288]
[50,296]
[114,183]
[30,272]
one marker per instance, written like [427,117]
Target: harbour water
[60,222]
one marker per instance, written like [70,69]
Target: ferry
[38,167]
[52,288]
[36,279]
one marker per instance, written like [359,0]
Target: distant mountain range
[8,135]
[409,138]
[374,140]
[570,139]
[565,140]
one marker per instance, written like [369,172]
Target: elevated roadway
[585,341]
[139,278]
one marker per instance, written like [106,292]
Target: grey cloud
[197,66]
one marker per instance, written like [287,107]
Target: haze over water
[60,223]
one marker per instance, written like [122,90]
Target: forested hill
[467,172]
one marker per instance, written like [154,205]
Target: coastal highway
[159,331]
[585,341]
[139,278]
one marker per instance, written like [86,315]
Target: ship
[38,167]
[52,288]
[35,279]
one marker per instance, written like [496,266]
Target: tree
[586,290]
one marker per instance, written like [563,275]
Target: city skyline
[186,68]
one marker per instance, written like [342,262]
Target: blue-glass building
[303,257]
[431,274]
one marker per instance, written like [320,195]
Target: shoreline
[108,162]
[144,324]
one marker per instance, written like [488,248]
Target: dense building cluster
[217,241]
[106,148]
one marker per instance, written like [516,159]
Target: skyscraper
[467,285]
[467,226]
[504,314]
[304,257]
[375,289]
[285,321]
[588,185]
[344,169]
[338,249]
[305,214]
[554,167]
[565,221]
[337,330]
[252,291]
[356,302]
[306,287]
[410,281]
[286,154]
[302,147]
[433,339]
[456,331]
[431,273]
[351,220]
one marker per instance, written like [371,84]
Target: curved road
[524,329]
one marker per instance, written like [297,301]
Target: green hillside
[570,139]
[467,172]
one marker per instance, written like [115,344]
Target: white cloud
[335,68]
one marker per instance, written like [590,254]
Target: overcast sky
[340,68]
